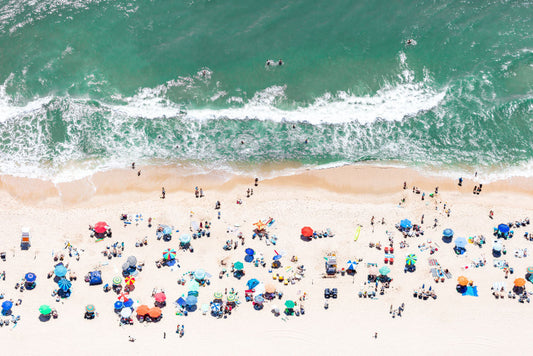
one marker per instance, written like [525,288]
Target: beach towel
[472,291]
[432,262]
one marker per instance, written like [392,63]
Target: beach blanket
[432,262]
[472,291]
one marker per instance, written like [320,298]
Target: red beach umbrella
[100,227]
[160,297]
[123,297]
[307,231]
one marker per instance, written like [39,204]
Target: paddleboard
[357,232]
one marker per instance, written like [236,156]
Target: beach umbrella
[167,231]
[143,310]
[290,304]
[125,266]
[238,266]
[504,228]
[169,254]
[89,308]
[185,238]
[123,297]
[154,312]
[530,270]
[7,305]
[373,271]
[231,298]
[277,257]
[215,307]
[519,282]
[307,231]
[30,277]
[45,309]
[199,274]
[497,246]
[118,305]
[126,312]
[100,227]
[270,288]
[64,284]
[447,233]
[252,283]
[351,264]
[384,270]
[259,299]
[191,300]
[463,281]
[132,261]
[260,225]
[460,242]
[130,280]
[248,258]
[117,280]
[218,295]
[410,260]
[406,224]
[193,286]
[128,303]
[160,297]
[60,271]
[250,251]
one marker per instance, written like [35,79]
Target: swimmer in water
[280,62]
[410,42]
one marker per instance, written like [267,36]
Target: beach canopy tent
[406,224]
[45,309]
[447,233]
[95,278]
[460,242]
[30,277]
[160,297]
[142,310]
[411,260]
[154,312]
[307,231]
[60,270]
[462,281]
[503,228]
[101,227]
[519,282]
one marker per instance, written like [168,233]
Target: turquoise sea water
[90,85]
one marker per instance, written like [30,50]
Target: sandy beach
[339,199]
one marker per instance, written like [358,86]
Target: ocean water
[92,85]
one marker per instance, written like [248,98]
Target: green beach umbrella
[218,295]
[117,280]
[238,266]
[410,260]
[290,304]
[45,309]
[231,298]
[384,270]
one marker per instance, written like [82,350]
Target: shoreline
[349,179]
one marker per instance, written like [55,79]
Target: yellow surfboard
[357,232]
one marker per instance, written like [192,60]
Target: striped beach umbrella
[411,260]
[215,307]
[231,298]
[45,309]
[530,270]
[123,297]
[90,308]
[64,284]
[130,281]
[117,280]
[169,254]
[218,295]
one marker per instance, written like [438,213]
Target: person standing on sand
[163,193]
[133,165]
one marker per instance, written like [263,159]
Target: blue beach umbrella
[460,242]
[352,264]
[64,284]
[250,251]
[447,233]
[118,305]
[191,300]
[167,231]
[7,305]
[60,271]
[503,228]
[277,257]
[30,277]
[128,303]
[406,224]
[252,283]
[248,258]
[215,307]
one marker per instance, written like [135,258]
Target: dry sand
[339,198]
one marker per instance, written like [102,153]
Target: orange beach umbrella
[519,282]
[463,281]
[154,312]
[143,310]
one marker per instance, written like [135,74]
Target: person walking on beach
[163,193]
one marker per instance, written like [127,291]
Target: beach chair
[25,240]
